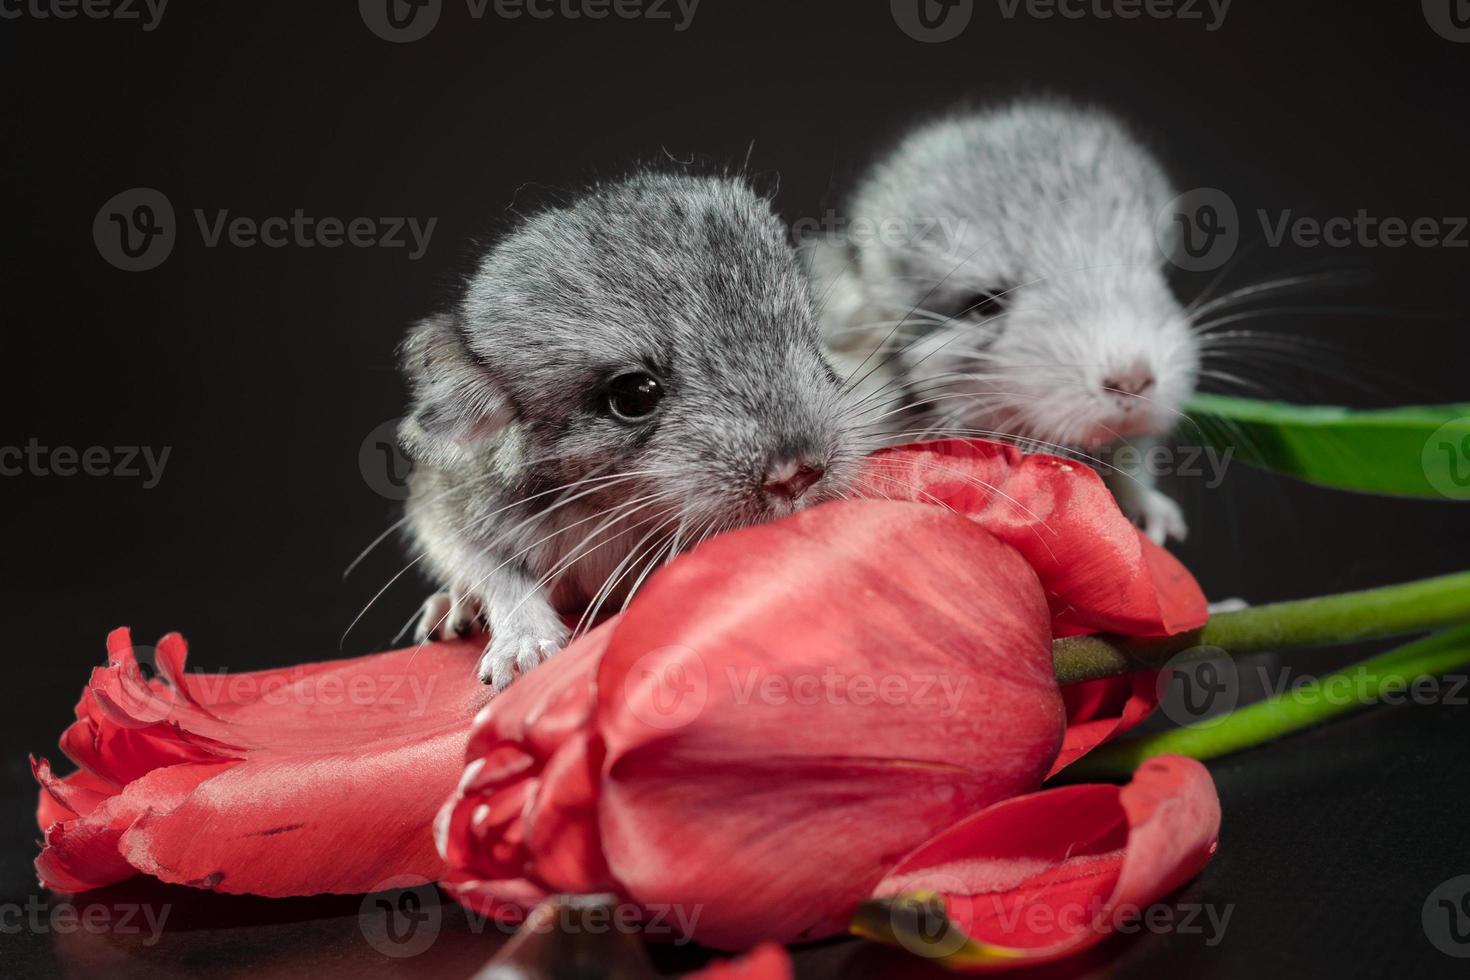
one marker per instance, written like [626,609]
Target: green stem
[1389,675]
[1390,611]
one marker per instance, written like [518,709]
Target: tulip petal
[240,782]
[64,799]
[83,853]
[1101,710]
[1040,877]
[776,720]
[1099,572]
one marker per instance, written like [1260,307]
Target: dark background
[266,369]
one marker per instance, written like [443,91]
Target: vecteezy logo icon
[401,917]
[932,21]
[400,21]
[1446,459]
[667,688]
[1199,687]
[135,230]
[1449,18]
[1446,917]
[1458,455]
[1199,230]
[922,925]
[382,463]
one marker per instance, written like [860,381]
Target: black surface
[265,370]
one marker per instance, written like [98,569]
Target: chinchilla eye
[982,305]
[634,395]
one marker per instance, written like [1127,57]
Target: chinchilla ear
[456,404]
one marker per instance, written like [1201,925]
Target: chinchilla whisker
[609,519]
[1241,384]
[983,397]
[1204,328]
[848,383]
[1024,442]
[619,572]
[879,392]
[981,484]
[342,641]
[900,351]
[636,554]
[1152,402]
[535,517]
[448,490]
[618,513]
[588,488]
[1251,292]
[621,512]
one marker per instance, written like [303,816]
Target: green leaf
[1408,452]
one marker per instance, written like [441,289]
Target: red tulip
[773,724]
[710,751]
[1044,876]
[1099,572]
[319,778]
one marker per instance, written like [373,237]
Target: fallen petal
[1041,877]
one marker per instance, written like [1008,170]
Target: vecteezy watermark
[1446,917]
[1446,459]
[403,916]
[1361,685]
[125,462]
[151,698]
[944,233]
[136,230]
[1186,919]
[667,688]
[147,13]
[1203,684]
[403,21]
[936,21]
[1209,12]
[1186,462]
[1200,230]
[40,916]
[603,914]
[384,466]
[932,21]
[941,692]
[1199,687]
[923,927]
[1450,19]
[1363,230]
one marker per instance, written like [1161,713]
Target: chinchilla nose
[1137,379]
[789,478]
